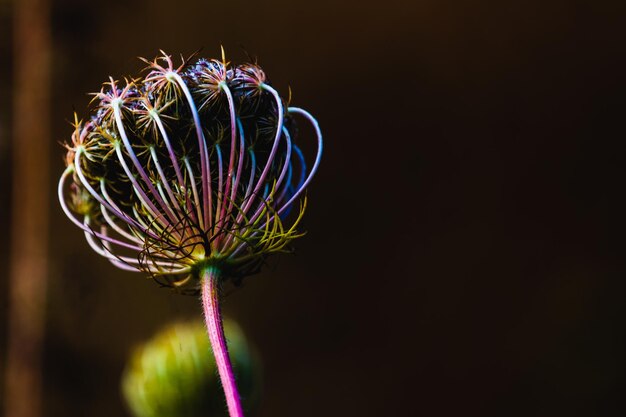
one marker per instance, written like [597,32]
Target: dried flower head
[189,167]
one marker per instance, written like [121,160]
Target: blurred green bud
[172,375]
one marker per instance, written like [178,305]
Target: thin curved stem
[117,111]
[215,226]
[205,163]
[318,157]
[241,213]
[233,141]
[270,158]
[215,329]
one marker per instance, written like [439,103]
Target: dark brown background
[465,248]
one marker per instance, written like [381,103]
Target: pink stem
[213,319]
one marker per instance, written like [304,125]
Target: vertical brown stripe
[29,227]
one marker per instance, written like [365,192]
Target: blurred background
[465,252]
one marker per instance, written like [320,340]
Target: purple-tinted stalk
[215,329]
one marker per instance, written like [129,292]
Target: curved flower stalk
[189,174]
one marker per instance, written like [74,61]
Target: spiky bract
[186,168]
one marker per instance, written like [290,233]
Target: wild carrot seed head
[188,167]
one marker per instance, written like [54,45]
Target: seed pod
[187,168]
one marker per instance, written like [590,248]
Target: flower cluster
[186,168]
